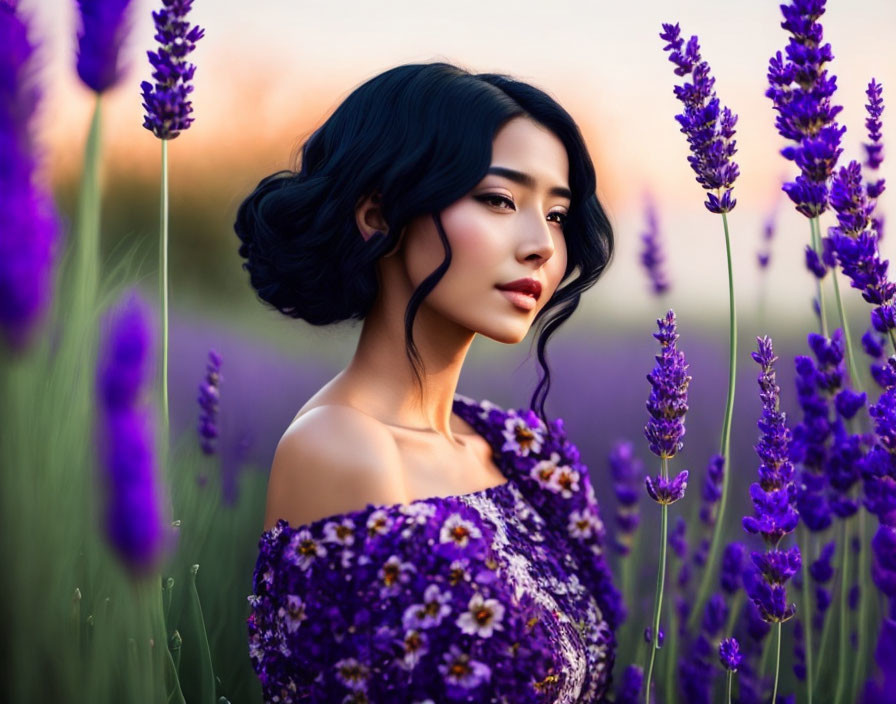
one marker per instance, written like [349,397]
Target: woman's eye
[561,218]
[497,201]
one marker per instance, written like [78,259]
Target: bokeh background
[269,73]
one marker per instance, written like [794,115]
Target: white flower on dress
[303,549]
[378,523]
[542,472]
[414,647]
[256,647]
[342,532]
[461,670]
[352,673]
[418,510]
[293,613]
[564,481]
[458,571]
[585,524]
[430,613]
[393,574]
[521,437]
[456,529]
[482,617]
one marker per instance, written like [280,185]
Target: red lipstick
[530,287]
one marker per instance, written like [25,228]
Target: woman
[419,546]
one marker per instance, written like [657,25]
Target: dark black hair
[421,136]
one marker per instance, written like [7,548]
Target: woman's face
[509,227]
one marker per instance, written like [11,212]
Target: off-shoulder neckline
[283,525]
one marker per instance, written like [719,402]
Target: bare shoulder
[332,459]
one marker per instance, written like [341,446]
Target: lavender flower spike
[104,27]
[665,491]
[708,127]
[668,400]
[774,496]
[652,257]
[209,395]
[133,520]
[29,226]
[874,150]
[801,90]
[166,102]
[729,654]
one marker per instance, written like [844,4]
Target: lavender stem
[863,626]
[660,584]
[729,678]
[163,284]
[807,611]
[816,245]
[715,547]
[844,615]
[777,664]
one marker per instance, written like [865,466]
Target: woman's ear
[369,217]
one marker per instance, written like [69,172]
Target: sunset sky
[271,71]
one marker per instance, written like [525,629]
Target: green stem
[163,285]
[816,245]
[728,688]
[850,353]
[736,606]
[777,664]
[807,609]
[844,617]
[670,695]
[824,645]
[715,547]
[85,275]
[660,584]
[864,629]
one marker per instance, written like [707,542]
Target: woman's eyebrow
[527,180]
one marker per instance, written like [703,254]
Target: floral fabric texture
[500,595]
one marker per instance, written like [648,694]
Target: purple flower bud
[652,257]
[104,28]
[29,225]
[770,599]
[166,101]
[712,489]
[729,654]
[714,615]
[768,234]
[874,148]
[777,566]
[667,404]
[678,538]
[732,563]
[629,690]
[820,569]
[665,491]
[873,345]
[209,394]
[648,636]
[883,318]
[848,403]
[814,263]
[134,522]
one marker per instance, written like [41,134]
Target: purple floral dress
[500,595]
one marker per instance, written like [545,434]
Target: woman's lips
[521,300]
